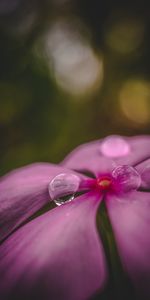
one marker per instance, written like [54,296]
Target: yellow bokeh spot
[135,101]
[125,35]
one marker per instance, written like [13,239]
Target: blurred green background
[71,71]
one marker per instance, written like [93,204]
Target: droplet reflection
[63,188]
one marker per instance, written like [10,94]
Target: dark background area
[71,72]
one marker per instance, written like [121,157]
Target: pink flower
[60,254]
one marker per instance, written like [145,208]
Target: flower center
[65,186]
[122,179]
[104,183]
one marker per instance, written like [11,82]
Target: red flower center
[104,183]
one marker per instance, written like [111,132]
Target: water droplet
[127,178]
[145,176]
[114,146]
[63,188]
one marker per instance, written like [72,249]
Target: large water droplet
[63,188]
[114,146]
[127,178]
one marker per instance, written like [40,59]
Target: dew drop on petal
[127,178]
[145,176]
[63,187]
[114,146]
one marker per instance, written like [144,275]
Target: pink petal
[58,255]
[88,158]
[92,156]
[140,150]
[23,192]
[130,218]
[144,171]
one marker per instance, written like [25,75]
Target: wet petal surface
[130,219]
[94,156]
[23,192]
[144,171]
[58,255]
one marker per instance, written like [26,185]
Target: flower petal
[58,255]
[144,171]
[91,157]
[130,219]
[139,150]
[23,192]
[88,158]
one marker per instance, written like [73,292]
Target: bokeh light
[71,71]
[125,34]
[135,101]
[76,67]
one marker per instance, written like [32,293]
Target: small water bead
[114,146]
[63,187]
[127,178]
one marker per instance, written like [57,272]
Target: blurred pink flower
[59,254]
